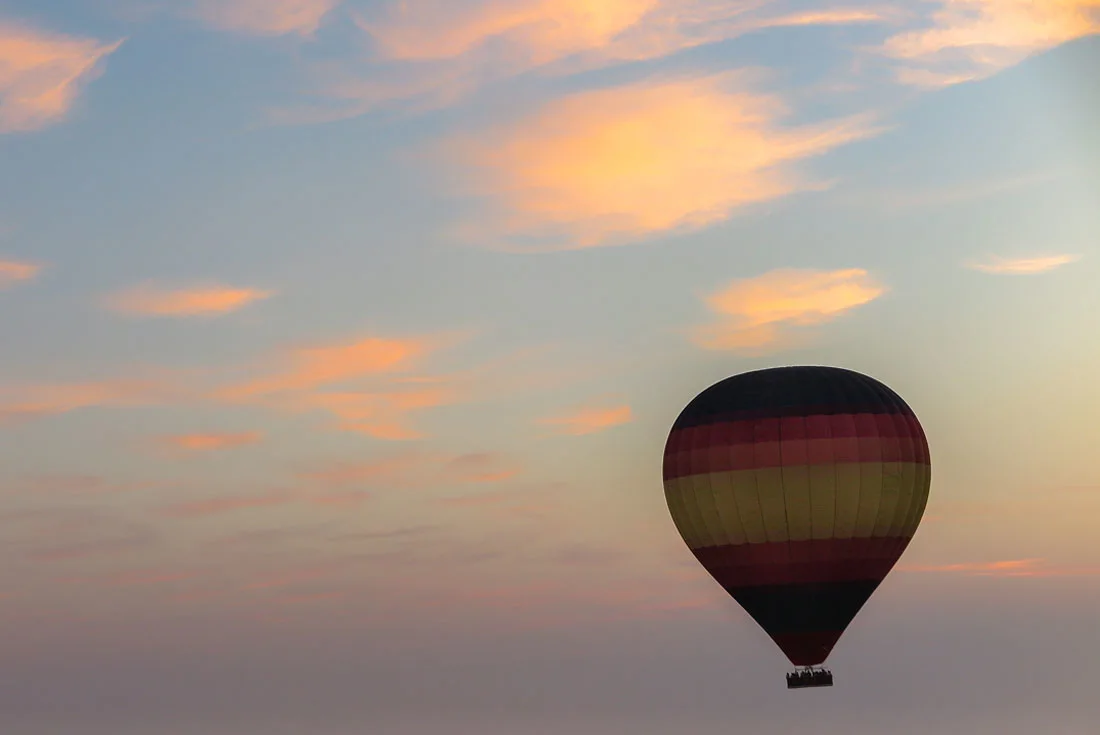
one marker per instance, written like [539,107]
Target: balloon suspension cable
[805,677]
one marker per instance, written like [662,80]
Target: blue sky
[341,341]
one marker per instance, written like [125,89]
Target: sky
[340,340]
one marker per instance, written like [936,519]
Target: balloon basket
[809,677]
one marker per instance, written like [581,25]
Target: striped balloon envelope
[798,488]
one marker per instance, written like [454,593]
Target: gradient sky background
[339,342]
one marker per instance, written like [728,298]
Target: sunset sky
[340,340]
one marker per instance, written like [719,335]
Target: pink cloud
[479,467]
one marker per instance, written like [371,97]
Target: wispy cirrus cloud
[148,300]
[415,468]
[136,578]
[370,385]
[589,419]
[967,40]
[79,533]
[17,271]
[75,484]
[386,414]
[226,504]
[1007,568]
[264,17]
[480,467]
[38,400]
[310,367]
[757,314]
[616,165]
[430,53]
[42,73]
[211,442]
[1022,266]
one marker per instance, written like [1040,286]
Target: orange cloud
[590,420]
[14,271]
[547,29]
[147,300]
[265,17]
[434,52]
[538,32]
[19,403]
[218,506]
[382,415]
[755,311]
[972,39]
[1009,568]
[383,411]
[42,73]
[1023,266]
[413,468]
[212,442]
[307,368]
[614,165]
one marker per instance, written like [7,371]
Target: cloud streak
[590,420]
[415,469]
[43,73]
[1022,266]
[972,39]
[1006,568]
[265,17]
[616,165]
[307,368]
[211,442]
[149,301]
[228,504]
[16,271]
[758,314]
[366,384]
[430,53]
[427,54]
[22,403]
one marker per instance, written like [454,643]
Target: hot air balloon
[797,489]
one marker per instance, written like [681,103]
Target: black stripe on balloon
[791,391]
[804,608]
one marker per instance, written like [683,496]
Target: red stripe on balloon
[801,562]
[726,447]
